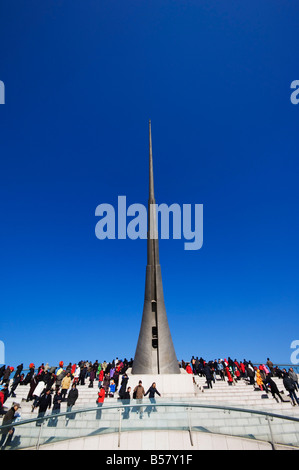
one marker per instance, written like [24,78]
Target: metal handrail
[157,404]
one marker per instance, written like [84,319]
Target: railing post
[39,435]
[190,426]
[119,426]
[271,433]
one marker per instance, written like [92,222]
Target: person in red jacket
[101,378]
[2,412]
[100,401]
[229,376]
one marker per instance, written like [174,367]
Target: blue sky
[82,79]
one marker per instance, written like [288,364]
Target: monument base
[168,385]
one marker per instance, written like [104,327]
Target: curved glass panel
[149,415]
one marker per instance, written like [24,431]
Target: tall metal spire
[151,168]
[152,234]
[155,352]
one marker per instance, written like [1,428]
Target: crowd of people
[62,380]
[259,376]
[50,386]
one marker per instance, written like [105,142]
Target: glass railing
[150,415]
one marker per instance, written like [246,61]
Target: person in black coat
[278,373]
[72,397]
[57,399]
[6,375]
[250,373]
[208,374]
[33,384]
[127,394]
[2,369]
[123,386]
[45,402]
[289,385]
[151,393]
[126,400]
[71,400]
[116,379]
[17,380]
[83,372]
[29,376]
[274,389]
[50,381]
[8,419]
[200,370]
[19,369]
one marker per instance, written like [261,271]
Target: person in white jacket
[37,393]
[77,375]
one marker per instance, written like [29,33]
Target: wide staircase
[241,395]
[244,395]
[240,410]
